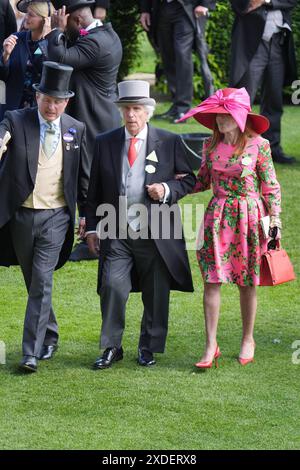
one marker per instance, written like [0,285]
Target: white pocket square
[152,156]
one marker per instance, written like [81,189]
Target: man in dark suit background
[44,166]
[263,55]
[101,8]
[8,23]
[95,56]
[175,25]
[138,163]
[8,26]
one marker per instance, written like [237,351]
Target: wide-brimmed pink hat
[233,101]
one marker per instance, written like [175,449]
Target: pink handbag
[276,267]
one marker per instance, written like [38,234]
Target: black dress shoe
[177,117]
[109,356]
[282,158]
[81,252]
[28,364]
[168,115]
[48,351]
[145,358]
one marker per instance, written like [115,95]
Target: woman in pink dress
[237,165]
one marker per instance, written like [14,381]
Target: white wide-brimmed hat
[134,91]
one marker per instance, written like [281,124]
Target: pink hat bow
[236,103]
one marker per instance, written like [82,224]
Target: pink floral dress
[245,189]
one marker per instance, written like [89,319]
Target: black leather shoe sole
[27,368]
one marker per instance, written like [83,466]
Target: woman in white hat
[23,55]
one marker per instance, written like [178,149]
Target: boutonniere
[152,157]
[69,136]
[150,169]
[246,160]
[83,32]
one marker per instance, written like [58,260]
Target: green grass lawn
[66,405]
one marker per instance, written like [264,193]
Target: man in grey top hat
[40,172]
[95,54]
[136,165]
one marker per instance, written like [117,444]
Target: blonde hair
[41,8]
[240,143]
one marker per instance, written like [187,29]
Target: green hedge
[125,19]
[218,34]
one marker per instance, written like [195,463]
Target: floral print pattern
[245,189]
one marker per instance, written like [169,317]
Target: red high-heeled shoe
[208,364]
[243,361]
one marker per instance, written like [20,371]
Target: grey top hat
[22,5]
[134,91]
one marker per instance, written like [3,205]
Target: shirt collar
[44,121]
[141,135]
[94,24]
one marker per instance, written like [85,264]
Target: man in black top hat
[8,24]
[41,170]
[95,57]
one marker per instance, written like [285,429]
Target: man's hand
[8,46]
[145,20]
[3,143]
[93,243]
[59,19]
[81,227]
[254,4]
[3,148]
[100,13]
[200,11]
[156,191]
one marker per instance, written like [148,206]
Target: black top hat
[22,5]
[55,80]
[72,5]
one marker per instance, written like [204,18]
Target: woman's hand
[47,26]
[8,46]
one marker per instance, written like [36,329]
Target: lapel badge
[152,157]
[67,137]
[150,168]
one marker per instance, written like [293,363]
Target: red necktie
[132,154]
